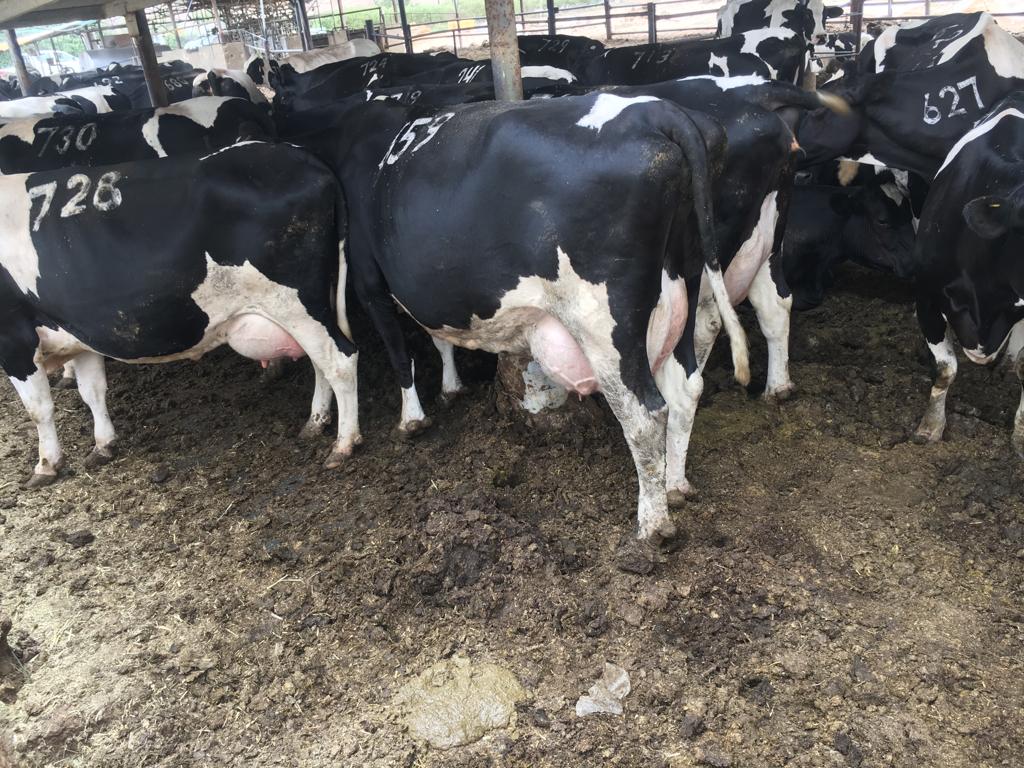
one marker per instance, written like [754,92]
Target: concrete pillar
[501,29]
[138,28]
[27,87]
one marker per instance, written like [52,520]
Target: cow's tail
[691,140]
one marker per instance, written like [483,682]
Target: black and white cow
[775,54]
[94,99]
[130,81]
[868,224]
[566,228]
[94,266]
[197,125]
[805,17]
[256,65]
[559,51]
[911,106]
[967,268]
[233,83]
[477,72]
[330,82]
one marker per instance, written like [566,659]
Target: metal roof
[30,13]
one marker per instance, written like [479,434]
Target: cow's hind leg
[1018,421]
[624,377]
[92,386]
[682,391]
[451,384]
[34,392]
[773,316]
[67,377]
[320,411]
[939,336]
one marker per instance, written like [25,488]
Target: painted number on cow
[651,57]
[63,138]
[553,45]
[932,113]
[468,75]
[105,198]
[425,127]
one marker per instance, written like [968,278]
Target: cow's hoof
[780,394]
[925,435]
[337,457]
[100,456]
[677,496]
[311,431]
[65,383]
[39,481]
[412,428]
[445,399]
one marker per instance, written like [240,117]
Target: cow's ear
[833,11]
[988,216]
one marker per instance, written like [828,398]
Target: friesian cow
[774,54]
[94,99]
[565,228]
[227,82]
[914,96]
[967,268]
[868,224]
[256,65]
[130,81]
[196,125]
[559,51]
[93,266]
[805,17]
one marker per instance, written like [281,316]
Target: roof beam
[28,13]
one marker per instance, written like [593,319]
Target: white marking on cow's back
[22,128]
[608,106]
[42,105]
[728,83]
[977,132]
[233,146]
[19,256]
[752,39]
[200,109]
[549,73]
[722,62]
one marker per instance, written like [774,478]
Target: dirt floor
[839,596]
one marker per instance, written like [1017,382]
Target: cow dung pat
[456,702]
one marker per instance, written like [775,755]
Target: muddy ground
[839,596]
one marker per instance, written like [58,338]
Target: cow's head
[202,85]
[255,68]
[881,234]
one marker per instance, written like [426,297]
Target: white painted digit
[45,191]
[73,206]
[434,127]
[86,136]
[932,115]
[107,197]
[637,60]
[66,134]
[973,82]
[406,137]
[50,133]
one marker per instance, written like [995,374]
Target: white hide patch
[22,128]
[752,39]
[728,83]
[772,14]
[19,255]
[236,145]
[549,73]
[977,132]
[754,252]
[42,105]
[200,109]
[722,62]
[542,317]
[607,107]
[350,49]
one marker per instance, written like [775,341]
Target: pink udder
[561,357]
[260,339]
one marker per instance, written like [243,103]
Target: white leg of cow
[773,316]
[92,386]
[934,422]
[1018,421]
[451,384]
[707,323]
[682,393]
[67,377]
[35,395]
[320,411]
[413,418]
